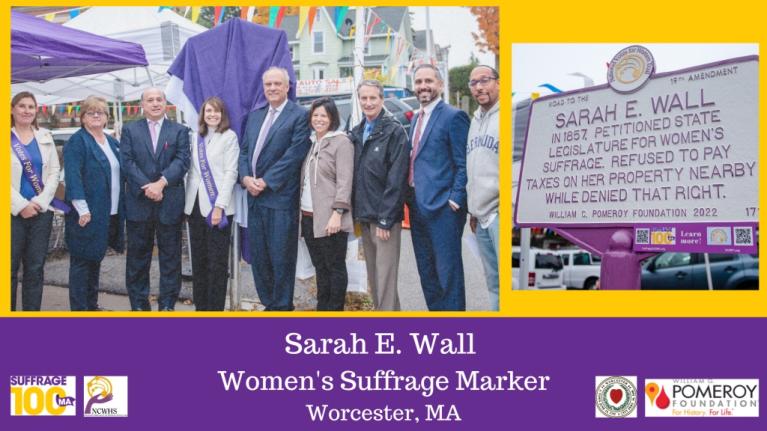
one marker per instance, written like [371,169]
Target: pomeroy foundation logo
[701,398]
[105,396]
[43,395]
[630,69]
[616,396]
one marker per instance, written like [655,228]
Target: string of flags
[73,110]
[396,43]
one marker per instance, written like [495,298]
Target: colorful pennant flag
[195,13]
[340,14]
[312,15]
[303,15]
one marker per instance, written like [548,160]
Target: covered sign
[673,155]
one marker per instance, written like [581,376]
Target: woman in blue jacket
[94,185]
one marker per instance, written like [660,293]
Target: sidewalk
[112,287]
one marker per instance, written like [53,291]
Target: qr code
[642,236]
[744,236]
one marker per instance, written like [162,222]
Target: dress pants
[382,263]
[328,256]
[141,236]
[83,284]
[29,246]
[437,247]
[273,235]
[210,261]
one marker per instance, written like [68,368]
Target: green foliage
[459,84]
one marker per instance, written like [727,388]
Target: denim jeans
[29,246]
[488,250]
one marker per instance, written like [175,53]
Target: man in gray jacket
[482,172]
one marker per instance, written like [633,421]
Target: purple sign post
[647,163]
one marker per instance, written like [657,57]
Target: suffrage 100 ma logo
[43,395]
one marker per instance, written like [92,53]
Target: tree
[488,39]
[459,84]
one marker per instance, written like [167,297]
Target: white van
[545,269]
[581,269]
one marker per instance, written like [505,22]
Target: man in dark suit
[155,158]
[437,193]
[275,143]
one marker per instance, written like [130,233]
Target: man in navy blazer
[436,195]
[275,143]
[155,157]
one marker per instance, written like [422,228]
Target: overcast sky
[452,26]
[536,64]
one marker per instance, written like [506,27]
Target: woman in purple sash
[210,204]
[34,179]
[326,197]
[95,187]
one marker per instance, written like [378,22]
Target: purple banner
[697,237]
[496,373]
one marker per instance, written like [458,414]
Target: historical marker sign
[675,156]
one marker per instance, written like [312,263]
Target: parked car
[687,271]
[581,268]
[545,269]
[401,111]
[413,102]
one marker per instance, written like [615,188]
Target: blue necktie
[366,133]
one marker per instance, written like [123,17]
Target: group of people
[303,178]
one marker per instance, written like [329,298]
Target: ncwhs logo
[702,398]
[105,396]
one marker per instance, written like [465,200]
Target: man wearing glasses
[155,157]
[482,171]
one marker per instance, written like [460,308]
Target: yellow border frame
[642,22]
[5,197]
[554,21]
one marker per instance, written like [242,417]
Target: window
[671,260]
[318,72]
[318,42]
[548,261]
[581,259]
[718,257]
[566,259]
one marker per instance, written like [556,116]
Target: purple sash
[29,172]
[210,183]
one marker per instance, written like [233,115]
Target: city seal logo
[616,397]
[630,69]
[105,396]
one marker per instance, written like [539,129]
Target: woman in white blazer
[210,204]
[34,179]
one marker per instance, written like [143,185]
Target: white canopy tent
[161,33]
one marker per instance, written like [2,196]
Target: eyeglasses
[96,114]
[484,81]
